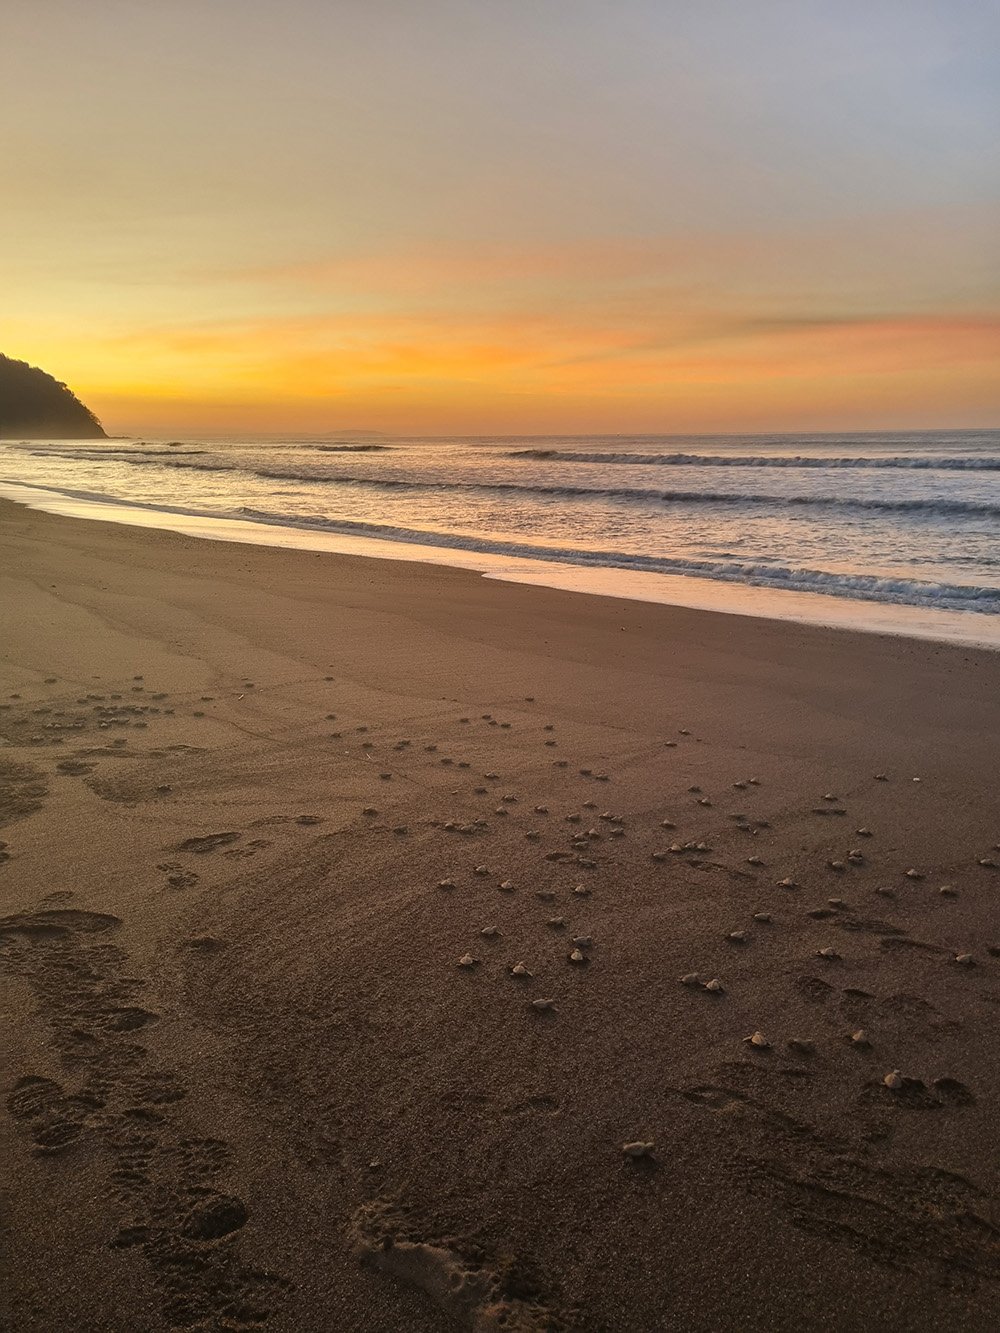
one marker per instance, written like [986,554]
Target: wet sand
[279,829]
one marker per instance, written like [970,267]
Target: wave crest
[982,463]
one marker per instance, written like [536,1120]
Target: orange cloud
[698,332]
[522,372]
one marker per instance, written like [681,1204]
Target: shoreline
[250,1082]
[697,593]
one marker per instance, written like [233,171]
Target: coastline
[660,588]
[225,982]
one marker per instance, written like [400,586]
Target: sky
[505,216]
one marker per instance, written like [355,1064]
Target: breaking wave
[868,587]
[631,494]
[856,586]
[983,463]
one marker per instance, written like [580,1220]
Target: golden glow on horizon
[444,219]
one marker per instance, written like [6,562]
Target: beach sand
[248,1084]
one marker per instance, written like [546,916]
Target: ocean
[896,532]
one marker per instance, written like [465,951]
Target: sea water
[892,531]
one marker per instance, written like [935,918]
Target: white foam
[811,597]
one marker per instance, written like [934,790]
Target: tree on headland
[35,406]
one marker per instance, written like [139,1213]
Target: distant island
[35,406]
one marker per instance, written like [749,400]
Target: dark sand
[246,1084]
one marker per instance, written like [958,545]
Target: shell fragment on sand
[758,1040]
[637,1149]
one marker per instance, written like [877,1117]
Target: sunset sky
[447,216]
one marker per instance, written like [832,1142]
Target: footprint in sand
[177,876]
[472,1295]
[207,842]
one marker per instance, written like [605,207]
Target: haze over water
[878,525]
